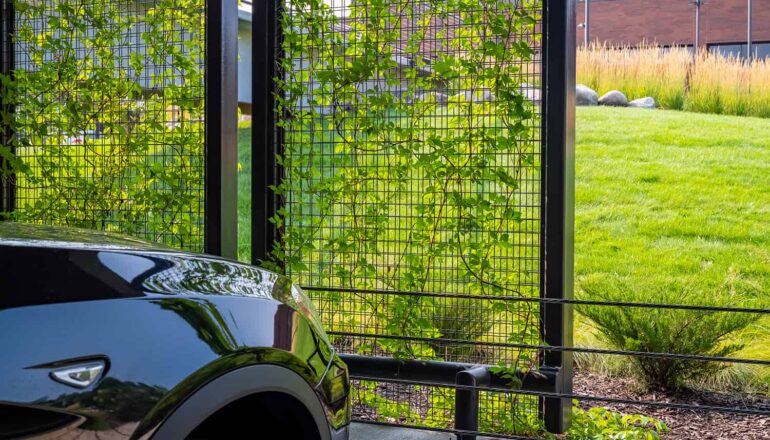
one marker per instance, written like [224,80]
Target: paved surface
[365,431]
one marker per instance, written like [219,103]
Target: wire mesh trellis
[411,202]
[108,100]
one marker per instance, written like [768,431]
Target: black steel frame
[558,79]
[7,62]
[467,380]
[221,225]
[558,201]
[265,138]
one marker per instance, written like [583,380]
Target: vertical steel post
[749,55]
[558,188]
[467,400]
[7,64]
[698,4]
[587,24]
[265,138]
[221,184]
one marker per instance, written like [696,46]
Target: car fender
[237,384]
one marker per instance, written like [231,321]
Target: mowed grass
[672,195]
[665,197]
[244,194]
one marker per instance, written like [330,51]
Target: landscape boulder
[476,97]
[647,102]
[433,97]
[585,95]
[531,93]
[614,98]
[486,96]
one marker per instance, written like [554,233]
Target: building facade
[244,56]
[723,24]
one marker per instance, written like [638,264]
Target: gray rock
[486,96]
[476,97]
[456,99]
[433,97]
[531,93]
[614,98]
[585,95]
[465,96]
[647,102]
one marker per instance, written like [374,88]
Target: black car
[108,337]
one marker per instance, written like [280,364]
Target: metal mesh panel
[109,108]
[402,258]
[433,407]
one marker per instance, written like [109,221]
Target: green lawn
[672,195]
[667,198]
[244,194]
[662,197]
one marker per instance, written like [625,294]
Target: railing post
[558,203]
[467,400]
[221,186]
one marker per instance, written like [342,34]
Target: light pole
[750,55]
[585,25]
[697,4]
[587,21]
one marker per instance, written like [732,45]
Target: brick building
[723,24]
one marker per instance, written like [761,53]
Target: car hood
[24,234]
[48,264]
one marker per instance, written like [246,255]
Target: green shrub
[686,332]
[500,412]
[514,413]
[602,424]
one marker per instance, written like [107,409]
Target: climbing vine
[104,116]
[409,157]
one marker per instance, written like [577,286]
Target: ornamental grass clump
[460,322]
[706,83]
[670,331]
[730,86]
[648,70]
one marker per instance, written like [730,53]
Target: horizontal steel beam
[444,373]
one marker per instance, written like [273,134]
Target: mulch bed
[683,424]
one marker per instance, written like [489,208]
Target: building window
[762,51]
[740,50]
